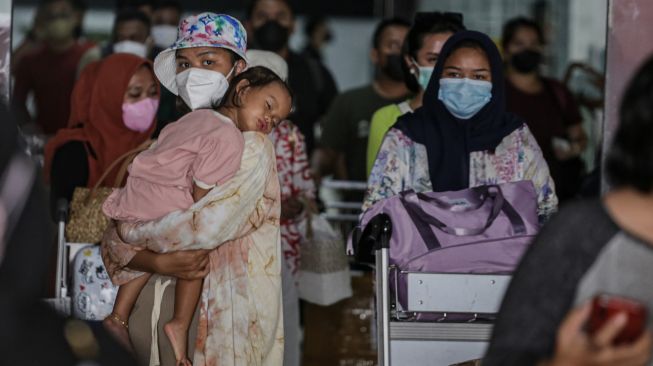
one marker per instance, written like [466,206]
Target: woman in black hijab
[462,136]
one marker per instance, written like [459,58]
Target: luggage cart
[402,342]
[66,283]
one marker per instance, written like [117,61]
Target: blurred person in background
[346,127]
[165,19]
[546,105]
[32,40]
[130,34]
[79,11]
[420,51]
[318,35]
[32,332]
[594,246]
[269,25]
[145,6]
[113,112]
[49,72]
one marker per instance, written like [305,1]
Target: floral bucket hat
[201,30]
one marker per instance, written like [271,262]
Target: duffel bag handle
[415,206]
[411,202]
[482,192]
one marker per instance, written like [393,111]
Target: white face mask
[164,35]
[135,48]
[201,88]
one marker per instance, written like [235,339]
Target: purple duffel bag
[483,229]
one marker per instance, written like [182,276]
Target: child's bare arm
[199,193]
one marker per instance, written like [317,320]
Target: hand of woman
[575,347]
[291,208]
[184,264]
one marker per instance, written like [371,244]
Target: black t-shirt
[313,88]
[550,277]
[69,170]
[548,114]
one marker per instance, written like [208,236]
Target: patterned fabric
[402,164]
[240,321]
[382,121]
[212,30]
[296,181]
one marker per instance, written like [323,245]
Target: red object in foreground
[606,306]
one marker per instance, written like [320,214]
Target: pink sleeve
[219,157]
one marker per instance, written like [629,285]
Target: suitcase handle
[482,191]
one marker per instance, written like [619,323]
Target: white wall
[5,6]
[587,31]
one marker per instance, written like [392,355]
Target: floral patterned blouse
[296,181]
[402,164]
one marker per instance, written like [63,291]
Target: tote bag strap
[124,158]
[413,205]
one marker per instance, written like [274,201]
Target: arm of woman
[185,264]
[537,170]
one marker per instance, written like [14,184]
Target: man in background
[345,129]
[269,25]
[49,72]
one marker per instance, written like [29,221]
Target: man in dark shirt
[345,129]
[546,105]
[50,71]
[269,25]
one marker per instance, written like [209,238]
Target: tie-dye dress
[240,320]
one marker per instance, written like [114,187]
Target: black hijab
[450,140]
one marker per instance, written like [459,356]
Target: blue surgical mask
[424,74]
[464,97]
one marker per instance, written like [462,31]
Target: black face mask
[392,67]
[526,61]
[271,36]
[328,37]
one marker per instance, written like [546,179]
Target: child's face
[263,108]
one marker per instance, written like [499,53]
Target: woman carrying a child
[204,201]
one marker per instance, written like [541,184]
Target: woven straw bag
[87,222]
